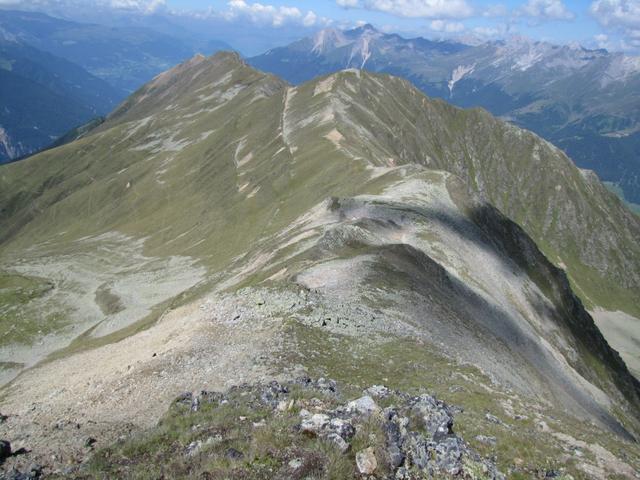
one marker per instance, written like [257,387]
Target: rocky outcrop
[412,437]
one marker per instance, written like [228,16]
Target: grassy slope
[140,174]
[18,325]
[571,215]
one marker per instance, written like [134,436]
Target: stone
[366,461]
[34,470]
[438,423]
[379,391]
[233,454]
[486,440]
[395,455]
[364,405]
[342,428]
[5,450]
[285,405]
[493,419]
[295,464]
[395,431]
[272,393]
[314,424]
[193,448]
[419,441]
[185,400]
[326,385]
[339,442]
[418,451]
[449,455]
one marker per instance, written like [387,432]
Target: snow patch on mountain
[6,145]
[327,39]
[620,69]
[528,60]
[361,49]
[457,75]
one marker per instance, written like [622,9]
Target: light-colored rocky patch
[111,262]
[607,464]
[324,86]
[622,331]
[125,386]
[335,137]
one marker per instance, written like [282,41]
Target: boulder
[314,424]
[364,405]
[366,461]
[339,442]
[379,391]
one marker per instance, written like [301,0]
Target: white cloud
[414,8]
[137,6]
[622,16]
[546,10]
[487,32]
[258,13]
[446,27]
[309,19]
[348,3]
[268,14]
[147,6]
[617,12]
[498,10]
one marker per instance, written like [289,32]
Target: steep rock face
[582,100]
[354,186]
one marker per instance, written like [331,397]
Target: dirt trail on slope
[113,390]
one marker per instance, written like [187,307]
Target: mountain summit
[223,226]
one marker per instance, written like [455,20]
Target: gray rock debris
[419,440]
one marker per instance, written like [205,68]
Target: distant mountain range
[125,57]
[587,102]
[56,75]
[43,96]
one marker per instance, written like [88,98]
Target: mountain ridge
[552,90]
[219,202]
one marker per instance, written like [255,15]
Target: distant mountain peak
[367,27]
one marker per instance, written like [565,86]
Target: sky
[610,24]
